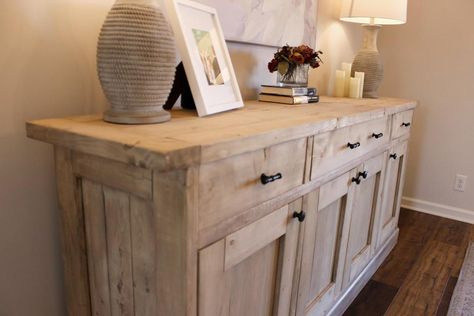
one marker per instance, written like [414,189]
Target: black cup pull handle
[377,136]
[356,180]
[267,179]
[394,156]
[364,174]
[353,145]
[300,216]
[406,124]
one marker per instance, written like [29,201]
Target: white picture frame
[206,60]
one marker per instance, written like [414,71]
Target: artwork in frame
[268,22]
[205,56]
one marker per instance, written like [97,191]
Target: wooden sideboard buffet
[267,210]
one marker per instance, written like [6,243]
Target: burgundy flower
[273,65]
[298,58]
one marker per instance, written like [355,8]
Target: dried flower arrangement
[288,58]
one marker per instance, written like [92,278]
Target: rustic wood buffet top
[188,140]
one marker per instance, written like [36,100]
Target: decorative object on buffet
[372,14]
[292,64]
[136,72]
[288,99]
[206,60]
[285,21]
[347,86]
[288,94]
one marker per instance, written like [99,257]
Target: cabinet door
[394,179]
[250,272]
[367,193]
[324,246]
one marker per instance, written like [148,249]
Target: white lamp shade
[381,12]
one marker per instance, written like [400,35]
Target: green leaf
[283,67]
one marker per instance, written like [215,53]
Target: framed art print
[205,57]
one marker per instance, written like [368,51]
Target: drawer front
[233,185]
[401,123]
[332,150]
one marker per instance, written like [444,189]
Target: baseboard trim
[358,284]
[441,210]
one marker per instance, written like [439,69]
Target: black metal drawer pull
[353,145]
[356,180]
[300,216]
[377,136]
[406,124]
[393,156]
[364,174]
[267,179]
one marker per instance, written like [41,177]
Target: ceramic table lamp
[372,14]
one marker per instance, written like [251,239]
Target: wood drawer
[233,185]
[401,123]
[331,150]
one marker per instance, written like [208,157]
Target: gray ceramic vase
[136,58]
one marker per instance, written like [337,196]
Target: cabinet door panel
[365,209]
[250,272]
[325,240]
[393,190]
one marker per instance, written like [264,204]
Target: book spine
[305,99]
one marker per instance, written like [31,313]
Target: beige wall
[431,59]
[47,69]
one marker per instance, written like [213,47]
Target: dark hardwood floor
[419,276]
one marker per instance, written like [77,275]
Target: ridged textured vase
[136,58]
[368,61]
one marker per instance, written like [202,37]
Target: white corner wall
[431,59]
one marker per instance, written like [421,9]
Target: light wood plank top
[188,140]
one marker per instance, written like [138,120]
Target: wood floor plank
[446,299]
[373,300]
[424,267]
[415,230]
[424,286]
[451,232]
[468,237]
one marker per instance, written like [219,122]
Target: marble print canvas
[267,22]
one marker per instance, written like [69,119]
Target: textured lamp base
[136,117]
[136,62]
[368,61]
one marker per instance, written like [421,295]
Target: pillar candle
[354,88]
[361,76]
[340,83]
[347,67]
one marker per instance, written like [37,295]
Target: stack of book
[288,94]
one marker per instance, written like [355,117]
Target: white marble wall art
[267,22]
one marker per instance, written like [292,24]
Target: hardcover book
[289,91]
[288,99]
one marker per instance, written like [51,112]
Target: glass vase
[296,76]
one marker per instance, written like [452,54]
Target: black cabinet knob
[300,216]
[377,136]
[356,180]
[353,145]
[267,179]
[364,174]
[394,156]
[406,124]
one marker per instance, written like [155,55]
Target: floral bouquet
[287,59]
